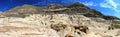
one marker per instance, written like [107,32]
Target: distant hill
[55,20]
[75,8]
[25,9]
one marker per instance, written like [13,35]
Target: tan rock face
[55,25]
[75,20]
[54,6]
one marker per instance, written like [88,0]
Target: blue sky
[107,7]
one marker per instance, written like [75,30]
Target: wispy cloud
[90,3]
[110,4]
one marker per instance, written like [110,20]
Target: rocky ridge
[55,21]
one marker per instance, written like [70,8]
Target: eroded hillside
[75,20]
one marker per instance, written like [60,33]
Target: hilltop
[55,20]
[75,8]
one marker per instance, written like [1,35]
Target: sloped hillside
[75,20]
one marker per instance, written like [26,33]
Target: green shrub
[117,26]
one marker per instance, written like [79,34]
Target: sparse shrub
[117,26]
[58,27]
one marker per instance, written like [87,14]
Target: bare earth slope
[62,22]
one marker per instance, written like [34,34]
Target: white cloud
[110,4]
[90,3]
[114,4]
[105,5]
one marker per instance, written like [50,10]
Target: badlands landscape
[55,20]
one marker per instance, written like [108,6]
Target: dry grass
[117,26]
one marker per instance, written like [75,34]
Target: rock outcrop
[67,22]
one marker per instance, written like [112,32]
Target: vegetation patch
[117,26]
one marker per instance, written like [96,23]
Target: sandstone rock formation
[65,23]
